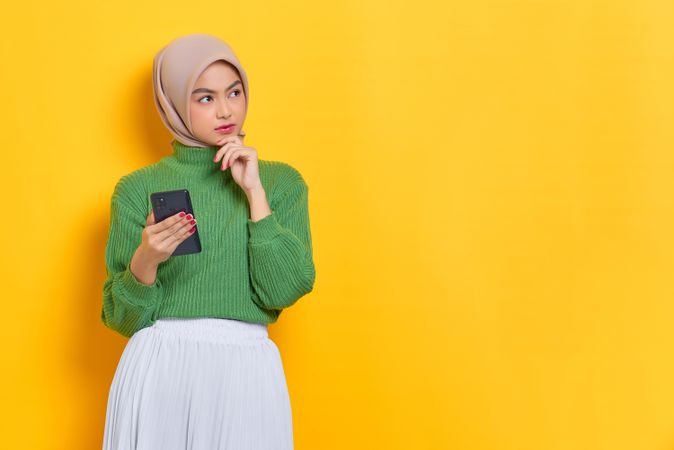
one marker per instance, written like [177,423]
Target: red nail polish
[193,229]
[182,214]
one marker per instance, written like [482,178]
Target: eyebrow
[209,91]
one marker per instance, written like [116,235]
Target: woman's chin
[213,138]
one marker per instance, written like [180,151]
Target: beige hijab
[175,70]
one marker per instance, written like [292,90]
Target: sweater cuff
[264,229]
[137,290]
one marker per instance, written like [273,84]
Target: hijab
[175,70]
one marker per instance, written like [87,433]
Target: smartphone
[167,203]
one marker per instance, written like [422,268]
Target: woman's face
[217,99]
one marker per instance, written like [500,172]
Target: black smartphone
[167,203]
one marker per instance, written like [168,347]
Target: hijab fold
[175,70]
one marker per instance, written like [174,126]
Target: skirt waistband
[211,328]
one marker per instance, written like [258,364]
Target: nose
[223,109]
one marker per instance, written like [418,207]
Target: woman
[199,370]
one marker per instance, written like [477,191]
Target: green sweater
[246,270]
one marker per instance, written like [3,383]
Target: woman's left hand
[241,160]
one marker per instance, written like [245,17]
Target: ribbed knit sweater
[246,270]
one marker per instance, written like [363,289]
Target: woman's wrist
[142,268]
[259,206]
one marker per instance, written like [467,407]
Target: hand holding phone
[150,253]
[160,239]
[169,203]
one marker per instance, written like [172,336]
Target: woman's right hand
[159,240]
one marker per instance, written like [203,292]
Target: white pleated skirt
[199,384]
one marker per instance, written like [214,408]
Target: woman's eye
[208,96]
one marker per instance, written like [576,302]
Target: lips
[225,127]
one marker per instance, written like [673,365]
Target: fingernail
[182,214]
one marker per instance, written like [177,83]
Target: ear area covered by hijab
[175,70]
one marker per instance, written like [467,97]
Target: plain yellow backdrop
[490,197]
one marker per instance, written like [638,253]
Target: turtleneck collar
[197,159]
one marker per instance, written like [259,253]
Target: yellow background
[491,207]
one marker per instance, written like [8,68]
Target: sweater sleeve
[280,249]
[128,304]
